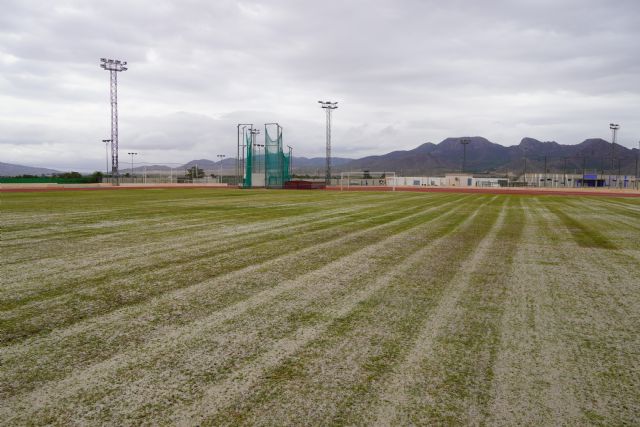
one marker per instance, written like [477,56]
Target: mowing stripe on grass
[596,319]
[234,387]
[117,288]
[362,261]
[527,387]
[340,366]
[48,358]
[391,405]
[585,236]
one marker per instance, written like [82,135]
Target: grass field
[218,307]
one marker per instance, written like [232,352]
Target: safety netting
[276,161]
[269,169]
[248,171]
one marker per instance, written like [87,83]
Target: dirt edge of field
[26,188]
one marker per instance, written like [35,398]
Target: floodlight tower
[464,142]
[328,106]
[614,129]
[132,154]
[221,157]
[114,66]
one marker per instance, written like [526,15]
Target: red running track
[527,191]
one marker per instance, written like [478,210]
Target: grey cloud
[423,70]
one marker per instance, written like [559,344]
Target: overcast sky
[403,72]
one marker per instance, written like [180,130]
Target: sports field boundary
[27,188]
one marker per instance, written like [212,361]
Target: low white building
[449,180]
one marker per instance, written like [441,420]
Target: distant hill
[8,169]
[484,156]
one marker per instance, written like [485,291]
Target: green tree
[194,172]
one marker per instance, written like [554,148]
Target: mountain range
[8,169]
[483,156]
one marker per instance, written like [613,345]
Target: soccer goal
[364,179]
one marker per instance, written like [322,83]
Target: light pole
[221,157]
[106,149]
[114,66]
[614,130]
[464,142]
[328,106]
[290,160]
[132,154]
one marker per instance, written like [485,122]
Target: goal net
[367,179]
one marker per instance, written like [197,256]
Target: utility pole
[584,167]
[106,149]
[114,66]
[328,106]
[614,129]
[464,142]
[132,154]
[545,170]
[564,173]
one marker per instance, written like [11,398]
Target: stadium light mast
[114,66]
[464,142]
[614,130]
[132,154]
[328,106]
[106,149]
[221,157]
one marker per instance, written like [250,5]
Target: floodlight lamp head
[113,65]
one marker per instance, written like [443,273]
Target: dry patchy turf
[208,307]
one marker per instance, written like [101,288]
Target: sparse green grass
[219,307]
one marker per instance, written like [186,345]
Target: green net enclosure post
[276,163]
[249,160]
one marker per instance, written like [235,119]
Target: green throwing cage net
[276,162]
[248,161]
